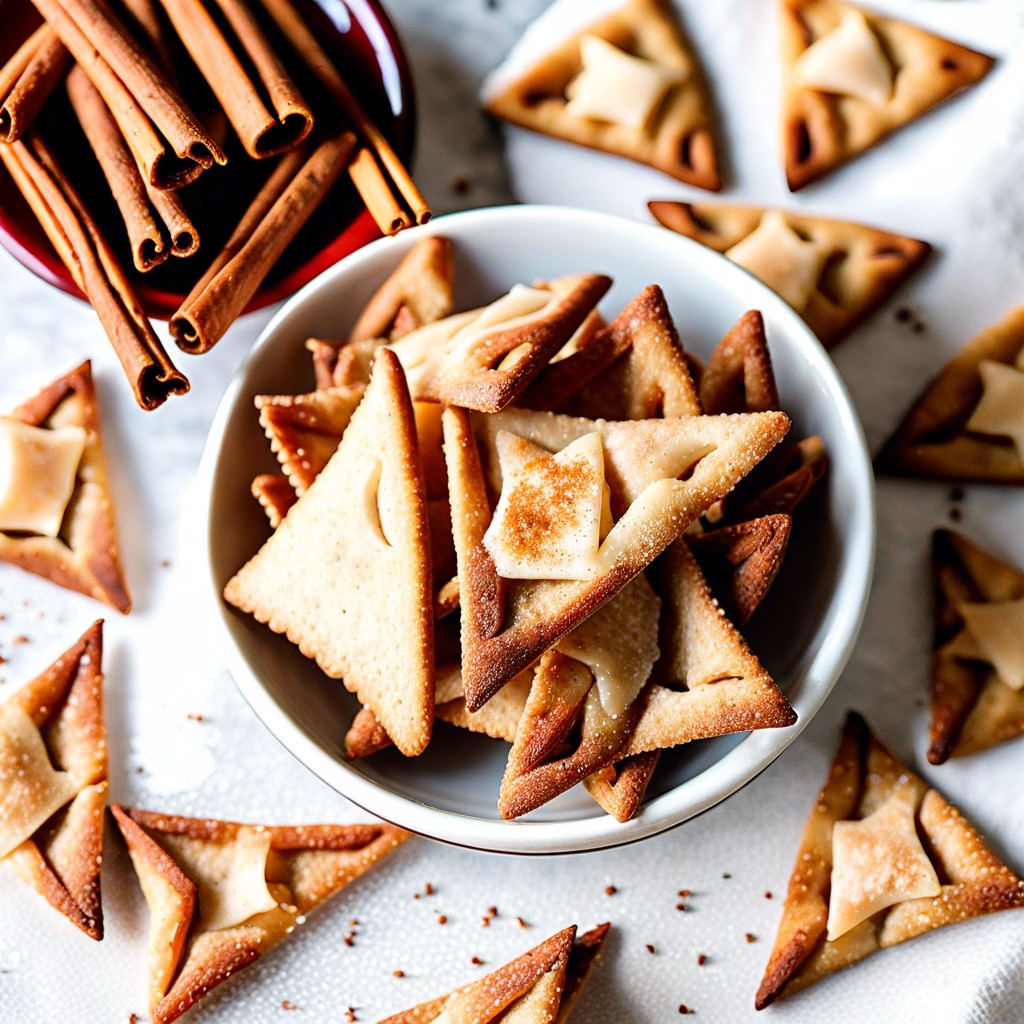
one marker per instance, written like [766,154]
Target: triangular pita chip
[582,704]
[53,782]
[851,77]
[619,788]
[936,439]
[485,358]
[835,272]
[418,292]
[650,377]
[347,576]
[304,430]
[325,358]
[972,707]
[738,375]
[222,894]
[628,85]
[707,682]
[740,562]
[339,363]
[661,473]
[84,555]
[539,987]
[883,858]
[275,494]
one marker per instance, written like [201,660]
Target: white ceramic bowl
[804,632]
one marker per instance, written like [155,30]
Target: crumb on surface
[476,961]
[701,959]
[398,974]
[751,937]
[685,1010]
[287,1004]
[610,890]
[650,949]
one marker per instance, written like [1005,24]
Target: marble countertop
[183,740]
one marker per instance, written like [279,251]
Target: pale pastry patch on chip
[851,77]
[629,85]
[221,894]
[977,600]
[70,536]
[787,263]
[347,574]
[936,439]
[883,858]
[539,987]
[53,782]
[863,268]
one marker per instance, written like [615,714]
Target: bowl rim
[34,252]
[731,772]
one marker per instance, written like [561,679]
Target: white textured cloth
[954,179]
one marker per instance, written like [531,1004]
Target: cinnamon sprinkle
[650,949]
[288,1005]
[751,937]
[398,974]
[701,959]
[610,890]
[476,961]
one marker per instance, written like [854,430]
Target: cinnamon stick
[273,219]
[376,194]
[27,80]
[264,129]
[170,145]
[295,30]
[146,17]
[94,269]
[156,222]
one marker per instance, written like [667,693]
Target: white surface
[954,179]
[441,796]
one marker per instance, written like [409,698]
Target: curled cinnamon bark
[282,206]
[298,34]
[169,144]
[94,269]
[157,224]
[27,80]
[264,128]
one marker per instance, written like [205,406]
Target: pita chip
[56,509]
[304,430]
[707,682]
[649,377]
[978,660]
[275,494]
[647,480]
[969,422]
[589,681]
[53,782]
[738,375]
[485,358]
[620,787]
[347,575]
[883,858]
[628,85]
[740,562]
[222,894]
[539,987]
[833,272]
[851,77]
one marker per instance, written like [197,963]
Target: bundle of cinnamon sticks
[126,73]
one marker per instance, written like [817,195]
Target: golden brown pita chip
[325,358]
[851,77]
[347,575]
[650,375]
[576,93]
[418,292]
[222,894]
[539,987]
[485,358]
[275,494]
[740,562]
[972,707]
[84,554]
[53,782]
[707,681]
[619,788]
[582,704]
[738,376]
[935,439]
[661,474]
[339,363]
[836,274]
[883,858]
[304,430]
